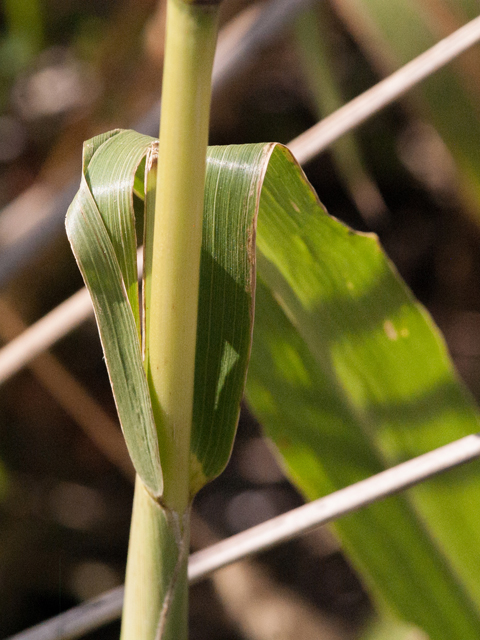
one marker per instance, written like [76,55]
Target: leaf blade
[227,286]
[300,261]
[117,318]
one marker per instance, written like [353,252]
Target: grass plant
[348,373]
[159,542]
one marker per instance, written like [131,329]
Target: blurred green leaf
[24,37]
[388,628]
[393,33]
[313,30]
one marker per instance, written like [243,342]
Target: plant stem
[156,590]
[156,593]
[173,260]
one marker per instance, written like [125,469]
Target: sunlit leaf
[387,628]
[347,367]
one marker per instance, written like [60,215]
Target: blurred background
[71,69]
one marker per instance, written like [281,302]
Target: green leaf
[102,234]
[388,628]
[227,283]
[346,367]
[384,358]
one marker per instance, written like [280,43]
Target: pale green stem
[173,262]
[156,586]
[156,591]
